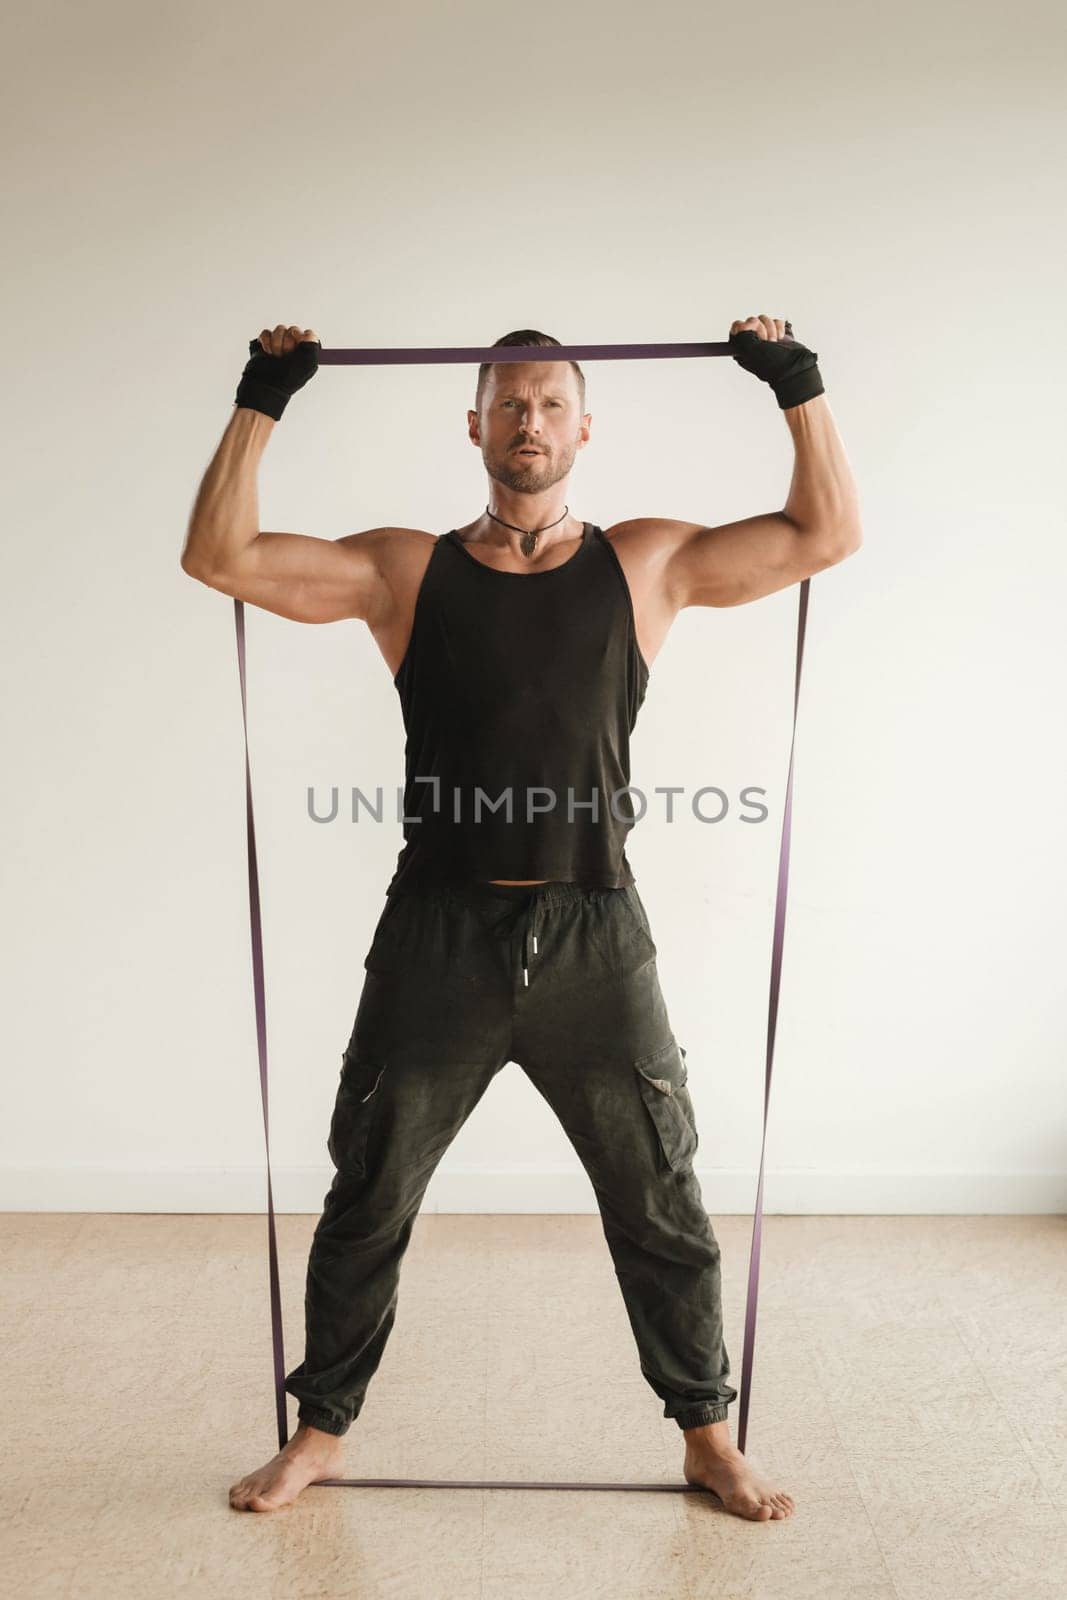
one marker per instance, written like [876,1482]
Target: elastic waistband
[554,892]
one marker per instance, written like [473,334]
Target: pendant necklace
[528,543]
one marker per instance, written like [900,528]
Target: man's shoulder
[395,548]
[648,531]
[646,544]
[402,556]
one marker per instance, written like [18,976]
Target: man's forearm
[823,494]
[225,516]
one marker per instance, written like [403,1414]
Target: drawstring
[506,925]
[525,958]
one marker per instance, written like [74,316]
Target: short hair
[524,336]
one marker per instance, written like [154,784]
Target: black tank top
[519,693]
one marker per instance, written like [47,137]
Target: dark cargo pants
[562,980]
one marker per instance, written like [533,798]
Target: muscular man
[520,647]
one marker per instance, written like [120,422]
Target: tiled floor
[909,1392]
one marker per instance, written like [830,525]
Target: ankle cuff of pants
[322,1420]
[697,1416]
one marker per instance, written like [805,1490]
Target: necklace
[529,535]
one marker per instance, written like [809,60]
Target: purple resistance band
[504,353]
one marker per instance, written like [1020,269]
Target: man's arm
[292,574]
[739,561]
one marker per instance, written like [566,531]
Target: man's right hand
[374,575]
[281,362]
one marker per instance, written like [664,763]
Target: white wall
[886,178]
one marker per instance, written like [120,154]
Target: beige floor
[909,1393]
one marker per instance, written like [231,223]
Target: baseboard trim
[301,1191]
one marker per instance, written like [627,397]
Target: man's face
[531,404]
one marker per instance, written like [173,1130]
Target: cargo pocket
[358,1098]
[662,1079]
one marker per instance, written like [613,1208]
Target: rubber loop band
[497,353]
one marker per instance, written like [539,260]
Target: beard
[530,477]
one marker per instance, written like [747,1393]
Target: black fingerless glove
[787,366]
[268,382]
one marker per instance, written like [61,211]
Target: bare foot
[310,1454]
[712,1461]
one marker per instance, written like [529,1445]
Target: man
[520,646]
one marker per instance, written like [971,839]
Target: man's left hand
[764,346]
